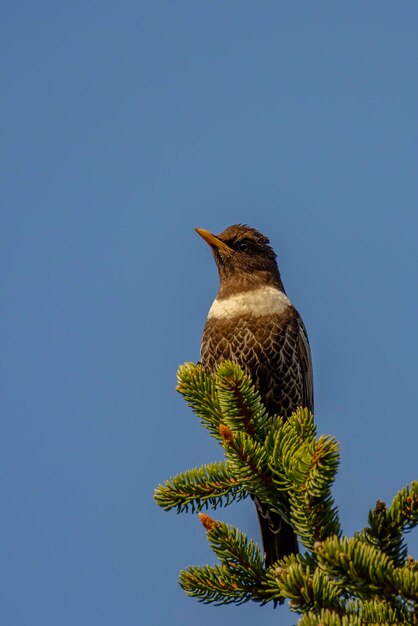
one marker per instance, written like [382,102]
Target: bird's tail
[278,536]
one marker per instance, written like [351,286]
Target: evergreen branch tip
[208,522]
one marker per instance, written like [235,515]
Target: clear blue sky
[124,126]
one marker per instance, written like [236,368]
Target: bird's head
[244,258]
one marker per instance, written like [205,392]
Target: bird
[253,322]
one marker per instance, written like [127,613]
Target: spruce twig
[339,581]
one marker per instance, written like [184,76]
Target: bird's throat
[262,301]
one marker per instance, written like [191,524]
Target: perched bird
[253,323]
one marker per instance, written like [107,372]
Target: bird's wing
[282,366]
[274,353]
[305,359]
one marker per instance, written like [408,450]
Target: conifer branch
[198,388]
[360,581]
[365,571]
[240,576]
[211,485]
[299,579]
[385,534]
[387,526]
[214,583]
[241,405]
[404,507]
[249,463]
[305,468]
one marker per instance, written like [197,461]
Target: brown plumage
[253,323]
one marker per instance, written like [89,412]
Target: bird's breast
[257,302]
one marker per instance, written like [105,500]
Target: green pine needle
[199,390]
[240,403]
[211,485]
[365,580]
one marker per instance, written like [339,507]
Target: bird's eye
[243,247]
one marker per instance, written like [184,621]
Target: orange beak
[212,240]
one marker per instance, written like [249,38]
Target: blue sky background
[124,126]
